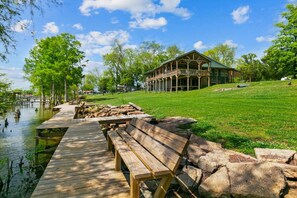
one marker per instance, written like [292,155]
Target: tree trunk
[65,90]
[53,99]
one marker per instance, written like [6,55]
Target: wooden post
[134,187]
[199,82]
[170,84]
[117,161]
[176,81]
[218,76]
[163,186]
[109,144]
[188,83]
[166,84]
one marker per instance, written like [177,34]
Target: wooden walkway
[81,165]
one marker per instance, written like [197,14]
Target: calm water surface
[19,169]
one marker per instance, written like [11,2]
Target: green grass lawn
[261,115]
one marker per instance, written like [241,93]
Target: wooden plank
[136,167]
[146,157]
[81,167]
[167,156]
[173,141]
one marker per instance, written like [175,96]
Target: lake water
[19,171]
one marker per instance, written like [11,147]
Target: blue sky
[189,24]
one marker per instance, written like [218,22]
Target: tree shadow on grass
[201,128]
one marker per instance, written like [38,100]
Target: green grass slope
[263,114]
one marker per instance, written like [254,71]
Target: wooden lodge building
[188,71]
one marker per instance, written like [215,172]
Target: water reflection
[19,172]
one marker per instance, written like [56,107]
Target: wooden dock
[81,165]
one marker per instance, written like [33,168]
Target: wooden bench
[149,152]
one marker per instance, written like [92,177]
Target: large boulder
[256,180]
[217,185]
[275,155]
[218,158]
[189,177]
[205,145]
[289,171]
[194,152]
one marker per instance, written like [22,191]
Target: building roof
[213,63]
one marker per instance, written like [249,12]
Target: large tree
[4,92]
[222,53]
[10,13]
[54,65]
[282,55]
[251,68]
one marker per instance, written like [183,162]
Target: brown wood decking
[81,165]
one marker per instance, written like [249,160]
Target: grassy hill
[263,114]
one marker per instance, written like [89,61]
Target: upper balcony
[181,72]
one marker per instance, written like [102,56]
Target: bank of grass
[263,114]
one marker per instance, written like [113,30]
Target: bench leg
[117,161]
[163,186]
[134,187]
[109,144]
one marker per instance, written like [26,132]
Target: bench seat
[149,152]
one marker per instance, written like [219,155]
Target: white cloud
[265,38]
[21,26]
[137,8]
[15,75]
[230,43]
[100,43]
[241,14]
[199,45]
[148,23]
[114,20]
[91,65]
[78,26]
[50,27]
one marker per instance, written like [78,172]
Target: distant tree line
[126,66]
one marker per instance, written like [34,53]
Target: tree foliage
[251,68]
[282,55]
[54,65]
[222,53]
[10,13]
[4,92]
[126,66]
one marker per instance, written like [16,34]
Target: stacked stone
[107,110]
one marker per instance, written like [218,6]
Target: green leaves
[127,66]
[251,68]
[282,55]
[222,53]
[54,64]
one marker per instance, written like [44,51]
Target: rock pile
[209,170]
[108,110]
[226,173]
